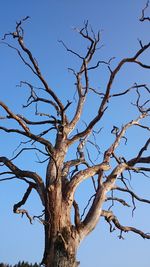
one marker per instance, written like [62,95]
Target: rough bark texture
[61,237]
[60,251]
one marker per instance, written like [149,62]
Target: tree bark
[58,253]
[61,242]
[61,237]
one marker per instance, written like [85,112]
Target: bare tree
[58,132]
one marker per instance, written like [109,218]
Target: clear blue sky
[50,21]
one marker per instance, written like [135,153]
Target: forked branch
[111,218]
[32,64]
[22,174]
[82,74]
[15,117]
[104,103]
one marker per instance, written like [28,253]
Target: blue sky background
[51,21]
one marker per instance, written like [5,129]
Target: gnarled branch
[26,174]
[110,217]
[22,202]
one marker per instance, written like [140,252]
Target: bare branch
[129,89]
[132,194]
[22,202]
[89,201]
[120,135]
[35,98]
[31,136]
[33,65]
[81,176]
[27,149]
[83,90]
[122,201]
[38,72]
[110,217]
[111,179]
[103,105]
[15,117]
[53,122]
[22,174]
[70,50]
[138,158]
[143,18]
[7,179]
[21,56]
[72,163]
[19,173]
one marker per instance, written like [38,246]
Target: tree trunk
[60,250]
[60,257]
[61,237]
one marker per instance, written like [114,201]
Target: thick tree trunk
[59,255]
[61,248]
[61,237]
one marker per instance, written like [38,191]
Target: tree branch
[19,35]
[133,195]
[22,202]
[22,174]
[143,18]
[103,105]
[120,135]
[83,72]
[110,217]
[81,176]
[31,136]
[129,89]
[35,98]
[122,201]
[15,117]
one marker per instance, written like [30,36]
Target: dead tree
[110,172]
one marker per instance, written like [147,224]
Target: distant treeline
[20,264]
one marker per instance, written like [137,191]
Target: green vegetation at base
[20,264]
